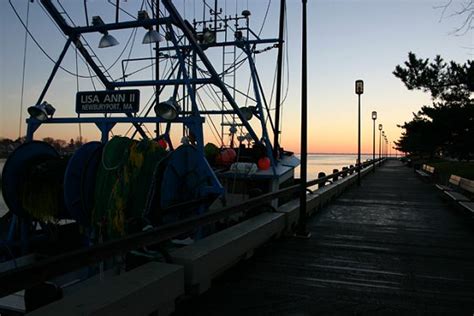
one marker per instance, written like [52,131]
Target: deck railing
[26,276]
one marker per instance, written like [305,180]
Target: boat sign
[109,101]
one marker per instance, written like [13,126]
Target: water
[327,162]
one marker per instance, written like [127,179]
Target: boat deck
[391,245]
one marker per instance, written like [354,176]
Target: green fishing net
[123,185]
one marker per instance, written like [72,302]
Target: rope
[287,67]
[264,18]
[38,44]
[24,70]
[77,90]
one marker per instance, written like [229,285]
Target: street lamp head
[380,127]
[359,86]
[374,115]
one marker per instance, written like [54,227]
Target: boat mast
[276,134]
[157,65]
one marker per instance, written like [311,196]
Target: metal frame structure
[187,50]
[188,79]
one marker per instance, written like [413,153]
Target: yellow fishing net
[123,185]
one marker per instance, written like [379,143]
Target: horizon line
[334,153]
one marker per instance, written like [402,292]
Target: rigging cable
[77,90]
[169,73]
[264,18]
[38,44]
[124,11]
[287,68]
[106,71]
[287,61]
[65,37]
[212,95]
[24,69]
[49,56]
[216,137]
[218,15]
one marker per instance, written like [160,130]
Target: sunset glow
[348,40]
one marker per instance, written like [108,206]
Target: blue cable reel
[16,172]
[79,182]
[186,176]
[26,160]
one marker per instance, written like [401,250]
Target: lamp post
[374,117]
[383,148]
[359,89]
[301,230]
[380,142]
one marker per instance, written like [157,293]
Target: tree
[414,139]
[448,82]
[464,10]
[447,126]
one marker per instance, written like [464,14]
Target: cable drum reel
[74,178]
[186,176]
[17,169]
[79,181]
[183,176]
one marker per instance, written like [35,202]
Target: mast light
[168,110]
[208,36]
[107,40]
[152,36]
[42,111]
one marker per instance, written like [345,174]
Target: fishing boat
[214,141]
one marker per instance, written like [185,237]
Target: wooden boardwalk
[390,246]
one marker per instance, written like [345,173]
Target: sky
[347,40]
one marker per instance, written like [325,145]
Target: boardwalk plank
[390,246]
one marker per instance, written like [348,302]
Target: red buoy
[264,163]
[162,143]
[226,157]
